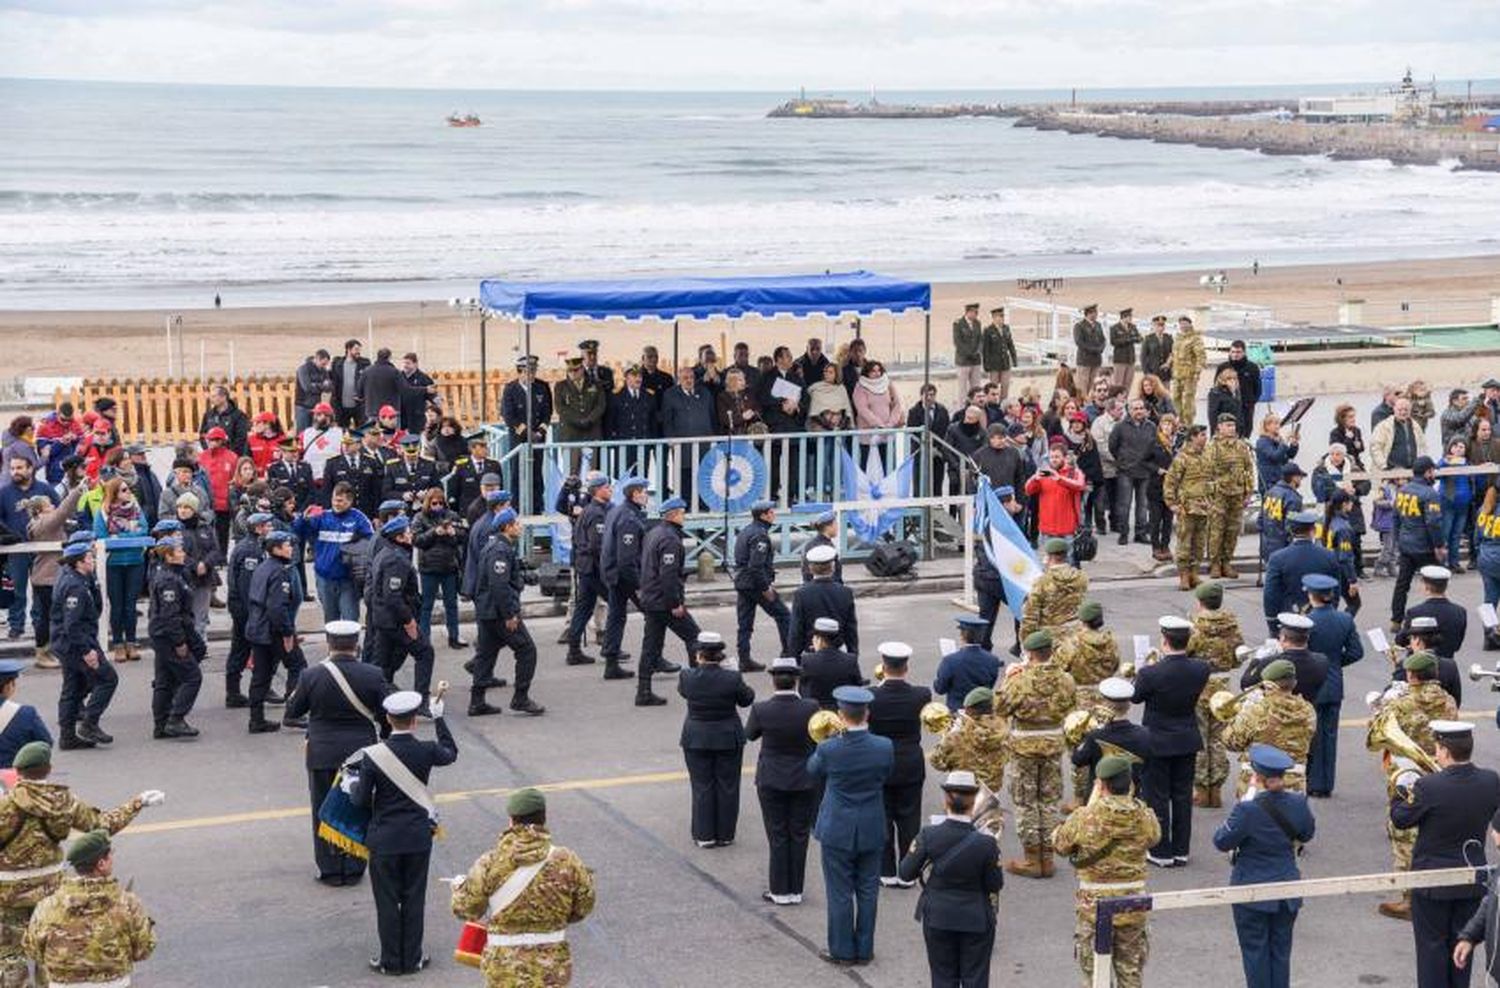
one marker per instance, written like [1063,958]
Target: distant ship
[467,120]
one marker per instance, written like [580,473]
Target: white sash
[395,769]
[518,881]
[8,711]
[345,688]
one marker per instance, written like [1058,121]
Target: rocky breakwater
[1402,145]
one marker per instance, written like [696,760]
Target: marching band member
[1216,640]
[1170,689]
[1278,717]
[1036,698]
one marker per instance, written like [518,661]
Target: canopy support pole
[484,368]
[927,433]
[523,496]
[676,360]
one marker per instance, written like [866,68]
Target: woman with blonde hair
[1224,398]
[120,515]
[1154,394]
[1272,452]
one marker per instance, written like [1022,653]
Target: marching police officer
[395,600]
[1292,636]
[620,561]
[88,678]
[1170,688]
[588,542]
[895,713]
[1334,637]
[1452,620]
[713,741]
[826,666]
[469,471]
[175,640]
[408,476]
[271,628]
[822,598]
[663,599]
[1288,565]
[340,698]
[825,527]
[244,559]
[1281,501]
[1419,532]
[500,584]
[755,583]
[788,796]
[970,666]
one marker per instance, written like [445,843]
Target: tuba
[1404,760]
[1225,706]
[936,718]
[823,725]
[1079,723]
[988,816]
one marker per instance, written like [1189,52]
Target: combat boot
[294,723]
[1491,644]
[1201,796]
[1397,908]
[1030,867]
[578,657]
[258,722]
[612,670]
[46,660]
[68,740]
[177,727]
[526,705]
[750,665]
[479,707]
[1047,868]
[235,701]
[89,730]
[665,667]
[1184,578]
[1228,571]
[645,698]
[1215,571]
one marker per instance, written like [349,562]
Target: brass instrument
[823,725]
[987,814]
[1126,670]
[1225,706]
[1080,722]
[878,673]
[1405,759]
[936,718]
[1105,750]
[1377,699]
[1478,673]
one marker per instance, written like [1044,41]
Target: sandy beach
[274,340]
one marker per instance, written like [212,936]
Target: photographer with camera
[1058,487]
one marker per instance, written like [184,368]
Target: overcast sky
[762,45]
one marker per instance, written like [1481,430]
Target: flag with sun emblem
[1006,546]
[874,484]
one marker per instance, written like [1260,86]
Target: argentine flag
[1006,546]
[874,484]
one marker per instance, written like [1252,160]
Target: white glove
[153,797]
[436,706]
[1250,794]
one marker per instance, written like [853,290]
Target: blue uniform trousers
[1322,758]
[851,883]
[1265,945]
[745,603]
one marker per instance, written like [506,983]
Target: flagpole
[969,552]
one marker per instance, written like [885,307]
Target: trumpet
[1225,706]
[878,673]
[936,718]
[1080,722]
[1478,672]
[823,725]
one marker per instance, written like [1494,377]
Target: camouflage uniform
[1037,696]
[1186,490]
[1188,358]
[35,818]
[561,893]
[1216,634]
[1278,718]
[1090,657]
[976,744]
[1054,599]
[1423,703]
[89,931]
[1107,841]
[1232,467]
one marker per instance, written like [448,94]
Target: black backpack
[892,559]
[1085,545]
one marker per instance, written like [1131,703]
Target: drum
[471,941]
[343,824]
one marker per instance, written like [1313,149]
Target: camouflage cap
[1210,593]
[978,695]
[525,802]
[1415,662]
[1278,671]
[1111,766]
[34,754]
[1037,641]
[1090,610]
[88,848]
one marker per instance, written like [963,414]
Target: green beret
[1038,641]
[1210,593]
[1055,547]
[88,848]
[1281,669]
[978,695]
[1415,662]
[525,802]
[1227,417]
[34,754]
[1090,610]
[1112,765]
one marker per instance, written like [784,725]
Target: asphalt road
[226,869]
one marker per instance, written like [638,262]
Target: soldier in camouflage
[1279,718]
[1232,466]
[1056,594]
[527,945]
[35,818]
[1414,708]
[1188,359]
[1090,655]
[90,931]
[1107,841]
[977,741]
[1036,695]
[1187,490]
[1216,638]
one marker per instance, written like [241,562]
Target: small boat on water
[467,120]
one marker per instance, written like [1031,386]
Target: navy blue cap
[1270,760]
[409,440]
[496,497]
[87,538]
[355,432]
[1421,465]
[1293,470]
[169,542]
[74,550]
[277,537]
[1304,518]
[506,516]
[764,504]
[391,504]
[259,518]
[166,525]
[10,669]
[1319,582]
[972,621]
[673,504]
[1005,491]
[396,525]
[825,518]
[853,696]
[631,483]
[597,481]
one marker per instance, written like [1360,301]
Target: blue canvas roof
[856,292]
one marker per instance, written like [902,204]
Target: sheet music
[1142,645]
[1378,639]
[947,646]
[1487,615]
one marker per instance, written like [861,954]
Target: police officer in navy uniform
[1421,634]
[1450,809]
[990,591]
[1119,731]
[620,561]
[1334,637]
[1170,688]
[271,628]
[500,584]
[1264,834]
[822,598]
[1452,619]
[465,481]
[713,741]
[826,666]
[1281,501]
[175,640]
[490,584]
[825,527]
[959,867]
[788,796]
[400,832]
[969,666]
[755,583]
[88,678]
[293,474]
[1295,631]
[244,559]
[896,713]
[409,476]
[588,545]
[395,600]
[663,599]
[1419,532]
[20,724]
[337,729]
[1288,565]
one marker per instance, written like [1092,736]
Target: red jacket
[263,450]
[218,464]
[1058,497]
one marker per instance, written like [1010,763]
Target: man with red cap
[217,461]
[265,437]
[321,441]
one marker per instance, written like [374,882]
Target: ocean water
[141,196]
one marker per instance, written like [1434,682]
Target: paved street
[226,869]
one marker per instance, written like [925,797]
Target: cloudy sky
[763,45]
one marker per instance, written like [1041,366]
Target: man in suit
[338,697]
[851,826]
[1264,834]
[1116,695]
[1450,809]
[713,740]
[933,418]
[822,598]
[826,666]
[961,882]
[970,666]
[1170,688]
[788,796]
[526,426]
[1334,637]
[1452,619]
[392,783]
[1292,637]
[631,415]
[1286,567]
[895,713]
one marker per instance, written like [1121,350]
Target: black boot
[258,722]
[523,704]
[159,732]
[479,707]
[274,699]
[68,740]
[457,643]
[748,664]
[235,701]
[578,657]
[612,670]
[177,727]
[665,667]
[1491,642]
[645,698]
[88,730]
[295,723]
